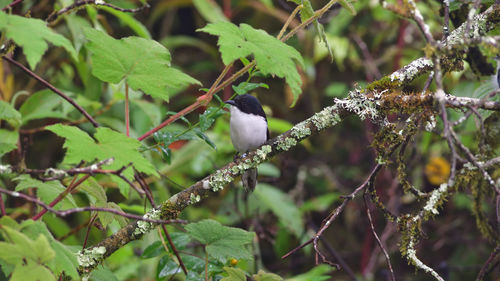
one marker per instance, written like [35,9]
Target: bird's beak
[231,102]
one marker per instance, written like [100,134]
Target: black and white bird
[248,125]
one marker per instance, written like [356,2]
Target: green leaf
[32,272]
[318,273]
[107,218]
[337,90]
[9,114]
[221,242]
[208,117]
[347,5]
[110,144]
[209,10]
[128,20]
[94,191]
[282,206]
[8,141]
[278,125]
[153,250]
[166,266]
[75,26]
[64,261]
[245,87]
[320,203]
[46,191]
[264,276]
[205,138]
[19,248]
[272,56]
[114,60]
[103,274]
[32,35]
[42,104]
[234,274]
[269,170]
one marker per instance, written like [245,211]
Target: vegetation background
[298,189]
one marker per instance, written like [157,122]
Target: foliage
[272,56]
[32,35]
[155,80]
[114,60]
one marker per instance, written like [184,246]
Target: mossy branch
[365,106]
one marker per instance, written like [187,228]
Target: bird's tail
[249,179]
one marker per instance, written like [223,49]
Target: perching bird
[248,126]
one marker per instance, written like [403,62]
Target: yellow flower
[437,170]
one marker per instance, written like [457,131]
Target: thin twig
[2,206]
[11,5]
[485,266]
[368,213]
[68,212]
[79,4]
[339,209]
[54,89]
[446,23]
[149,195]
[61,196]
[289,20]
[89,226]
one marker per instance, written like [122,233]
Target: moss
[383,84]
[168,210]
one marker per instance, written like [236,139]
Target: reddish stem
[171,119]
[61,197]
[400,44]
[2,206]
[12,4]
[89,226]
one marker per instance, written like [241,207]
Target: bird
[248,130]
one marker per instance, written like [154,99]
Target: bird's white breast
[248,131]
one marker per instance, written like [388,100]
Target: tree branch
[53,89]
[357,103]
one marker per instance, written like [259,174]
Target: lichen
[412,256]
[286,143]
[88,258]
[432,204]
[409,72]
[300,131]
[55,173]
[359,104]
[145,226]
[194,198]
[219,180]
[5,169]
[326,118]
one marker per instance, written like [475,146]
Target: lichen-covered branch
[453,48]
[367,103]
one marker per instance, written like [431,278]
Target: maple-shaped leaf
[32,35]
[110,144]
[271,55]
[144,63]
